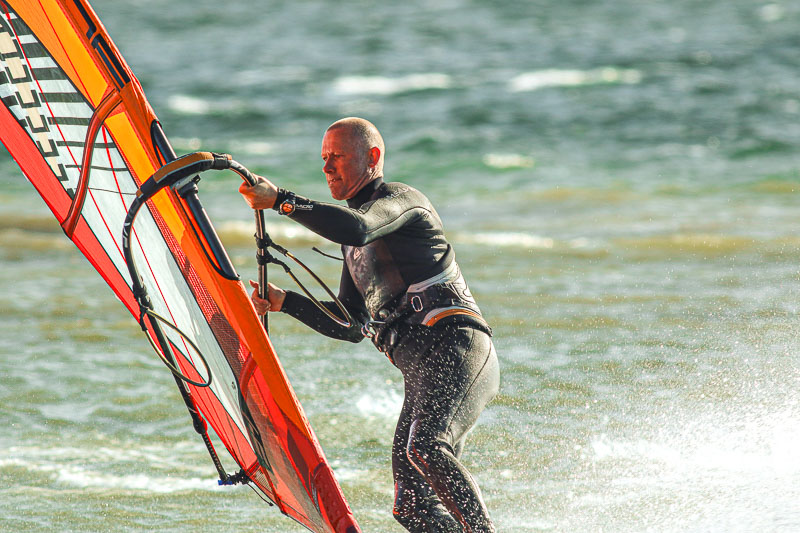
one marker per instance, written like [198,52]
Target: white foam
[189,143]
[539,79]
[188,105]
[251,147]
[505,161]
[728,472]
[94,468]
[343,473]
[138,482]
[762,447]
[287,232]
[509,239]
[349,85]
[386,404]
[155,455]
[606,449]
[519,239]
[771,12]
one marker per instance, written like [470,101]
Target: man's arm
[357,227]
[340,224]
[303,309]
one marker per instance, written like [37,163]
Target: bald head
[352,149]
[364,134]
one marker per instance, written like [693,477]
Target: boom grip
[240,169]
[183,167]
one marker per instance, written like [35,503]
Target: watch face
[287,208]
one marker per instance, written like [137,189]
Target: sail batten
[75,119]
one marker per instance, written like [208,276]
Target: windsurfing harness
[75,119]
[399,267]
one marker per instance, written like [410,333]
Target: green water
[620,181]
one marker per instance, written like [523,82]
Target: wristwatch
[287,206]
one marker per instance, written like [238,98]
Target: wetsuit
[402,285]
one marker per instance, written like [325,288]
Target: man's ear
[374,156]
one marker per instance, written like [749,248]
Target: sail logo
[20,91]
[47,104]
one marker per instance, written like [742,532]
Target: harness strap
[451,312]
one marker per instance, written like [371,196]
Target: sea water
[620,182]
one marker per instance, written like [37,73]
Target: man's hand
[274,301]
[262,195]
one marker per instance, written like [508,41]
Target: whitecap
[763,448]
[235,232]
[187,143]
[506,161]
[85,469]
[509,239]
[606,449]
[539,79]
[348,85]
[251,147]
[771,12]
[188,105]
[348,473]
[82,478]
[387,404]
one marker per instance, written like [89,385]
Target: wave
[90,468]
[234,146]
[723,466]
[507,161]
[508,239]
[690,243]
[189,105]
[516,239]
[776,186]
[386,404]
[20,239]
[706,244]
[83,478]
[756,446]
[240,233]
[379,85]
[540,79]
[44,223]
[44,234]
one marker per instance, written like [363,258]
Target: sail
[75,119]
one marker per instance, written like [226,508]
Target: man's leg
[457,377]
[416,505]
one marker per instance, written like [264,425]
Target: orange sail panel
[75,119]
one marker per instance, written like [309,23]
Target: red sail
[75,119]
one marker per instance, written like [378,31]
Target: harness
[444,298]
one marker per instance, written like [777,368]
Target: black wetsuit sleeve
[304,310]
[357,227]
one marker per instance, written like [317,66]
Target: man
[402,285]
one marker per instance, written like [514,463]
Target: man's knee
[425,449]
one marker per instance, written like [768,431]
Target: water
[619,180]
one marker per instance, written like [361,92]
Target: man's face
[346,163]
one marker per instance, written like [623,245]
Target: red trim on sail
[108,104]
